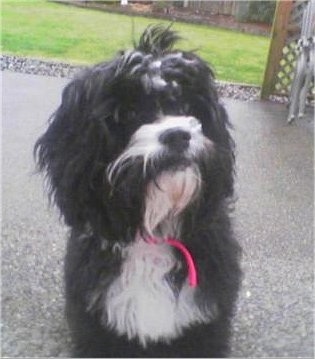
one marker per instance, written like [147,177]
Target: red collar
[192,271]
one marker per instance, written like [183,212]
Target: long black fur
[100,110]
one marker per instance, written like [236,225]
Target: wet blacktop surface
[273,221]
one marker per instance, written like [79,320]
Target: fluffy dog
[139,160]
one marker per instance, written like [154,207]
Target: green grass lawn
[41,29]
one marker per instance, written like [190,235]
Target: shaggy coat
[140,148]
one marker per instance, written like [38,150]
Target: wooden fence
[214,7]
[282,55]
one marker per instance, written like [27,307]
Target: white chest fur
[141,304]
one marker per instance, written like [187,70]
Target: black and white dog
[140,162]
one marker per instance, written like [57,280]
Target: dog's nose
[175,138]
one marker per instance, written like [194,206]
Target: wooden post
[279,35]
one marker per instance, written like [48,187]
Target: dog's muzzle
[172,140]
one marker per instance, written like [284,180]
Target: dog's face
[138,139]
[170,151]
[170,143]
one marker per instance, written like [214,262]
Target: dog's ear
[76,148]
[87,132]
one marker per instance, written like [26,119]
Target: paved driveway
[273,219]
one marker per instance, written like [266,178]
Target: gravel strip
[38,67]
[59,69]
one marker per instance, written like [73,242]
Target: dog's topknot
[157,39]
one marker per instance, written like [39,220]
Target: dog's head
[137,139]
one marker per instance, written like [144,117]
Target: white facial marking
[145,143]
[169,195]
